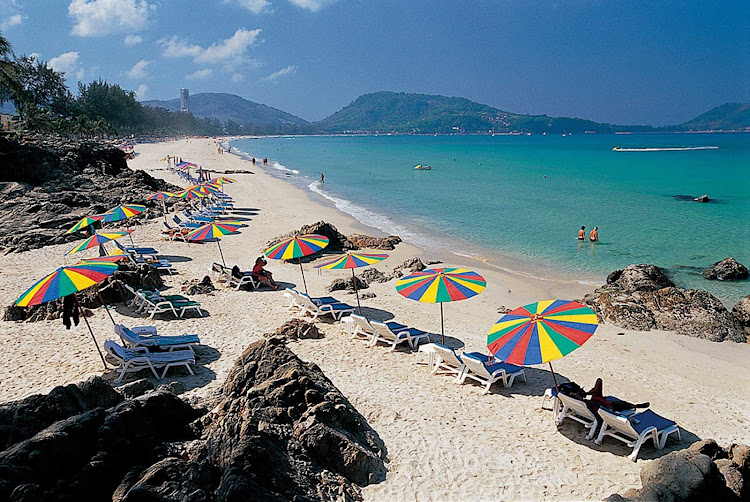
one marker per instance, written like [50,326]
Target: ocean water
[522,199]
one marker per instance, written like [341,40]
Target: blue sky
[626,62]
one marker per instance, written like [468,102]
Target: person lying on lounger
[595,398]
[262,275]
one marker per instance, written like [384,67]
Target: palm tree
[10,88]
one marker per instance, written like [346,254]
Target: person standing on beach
[322,179]
[594,235]
[582,234]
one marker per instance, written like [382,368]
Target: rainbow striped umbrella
[351,261]
[67,281]
[212,231]
[162,196]
[186,165]
[440,285]
[297,247]
[189,194]
[123,212]
[541,332]
[86,222]
[97,240]
[222,180]
[208,188]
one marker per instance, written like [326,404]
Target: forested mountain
[727,117]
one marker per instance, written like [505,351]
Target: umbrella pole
[80,310]
[106,307]
[303,275]
[222,254]
[130,234]
[553,376]
[356,292]
[164,210]
[442,326]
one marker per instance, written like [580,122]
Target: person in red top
[264,276]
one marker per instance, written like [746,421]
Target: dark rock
[196,287]
[369,294]
[702,198]
[641,297]
[369,242]
[175,388]
[295,329]
[733,478]
[409,267]
[727,269]
[136,388]
[740,455]
[374,275]
[336,240]
[741,312]
[347,284]
[710,448]
[20,420]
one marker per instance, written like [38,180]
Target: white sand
[445,442]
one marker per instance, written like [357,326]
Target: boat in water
[665,149]
[420,167]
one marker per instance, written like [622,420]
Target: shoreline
[445,441]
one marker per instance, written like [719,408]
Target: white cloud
[103,17]
[289,70]
[238,77]
[132,39]
[231,51]
[141,91]
[254,6]
[65,62]
[200,74]
[138,70]
[312,5]
[80,74]
[12,21]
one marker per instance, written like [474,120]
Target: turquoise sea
[520,200]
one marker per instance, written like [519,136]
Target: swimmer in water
[582,234]
[594,235]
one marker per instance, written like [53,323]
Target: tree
[44,89]
[10,89]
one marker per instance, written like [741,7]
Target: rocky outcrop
[369,242]
[741,312]
[727,269]
[340,242]
[347,284]
[48,183]
[374,275]
[705,471]
[641,297]
[281,431]
[409,267]
[296,329]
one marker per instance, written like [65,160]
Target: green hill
[228,108]
[727,117]
[428,114]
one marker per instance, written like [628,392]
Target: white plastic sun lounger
[479,367]
[393,333]
[362,329]
[577,410]
[130,361]
[633,430]
[335,310]
[447,359]
[139,340]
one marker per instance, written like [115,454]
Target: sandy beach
[445,441]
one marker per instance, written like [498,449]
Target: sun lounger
[393,333]
[190,225]
[172,233]
[487,371]
[335,310]
[575,409]
[447,359]
[135,340]
[130,361]
[297,302]
[138,251]
[154,303]
[237,282]
[219,272]
[634,429]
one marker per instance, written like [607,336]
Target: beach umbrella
[208,189]
[68,281]
[541,332]
[123,212]
[440,285]
[97,240]
[189,194]
[212,231]
[86,222]
[186,165]
[352,260]
[162,196]
[297,247]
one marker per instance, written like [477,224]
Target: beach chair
[172,233]
[139,340]
[130,361]
[393,333]
[361,329]
[488,370]
[137,251]
[575,409]
[634,429]
[246,278]
[298,301]
[153,305]
[219,272]
[447,359]
[335,310]
[186,224]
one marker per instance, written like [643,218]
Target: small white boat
[420,167]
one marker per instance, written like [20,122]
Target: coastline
[444,441]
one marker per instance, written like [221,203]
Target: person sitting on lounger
[262,275]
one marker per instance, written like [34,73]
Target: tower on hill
[184,100]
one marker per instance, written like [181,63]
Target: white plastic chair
[637,428]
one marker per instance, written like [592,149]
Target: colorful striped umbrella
[212,231]
[222,180]
[189,194]
[541,332]
[160,196]
[440,285]
[86,221]
[97,240]
[123,211]
[351,261]
[208,188]
[186,165]
[297,247]
[67,281]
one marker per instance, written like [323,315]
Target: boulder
[338,241]
[136,388]
[374,275]
[409,267]
[295,329]
[369,242]
[741,312]
[347,284]
[639,278]
[702,198]
[727,269]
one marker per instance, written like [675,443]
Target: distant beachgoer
[265,160]
[322,179]
[262,275]
[253,160]
[582,234]
[594,235]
